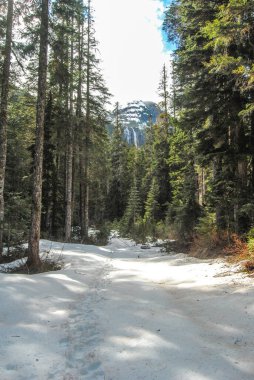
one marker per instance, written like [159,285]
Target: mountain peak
[134,117]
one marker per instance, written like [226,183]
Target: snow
[122,313]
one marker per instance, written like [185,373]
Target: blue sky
[168,45]
[133,48]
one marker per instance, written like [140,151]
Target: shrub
[183,219]
[102,236]
[249,266]
[242,250]
[207,234]
[250,241]
[237,248]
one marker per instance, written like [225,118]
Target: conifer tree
[160,145]
[95,95]
[34,238]
[152,204]
[164,94]
[70,126]
[231,55]
[184,210]
[209,116]
[119,181]
[133,209]
[48,168]
[3,113]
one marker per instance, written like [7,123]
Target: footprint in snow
[93,371]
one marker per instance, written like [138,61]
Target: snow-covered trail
[123,313]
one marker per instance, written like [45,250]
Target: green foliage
[17,217]
[101,236]
[152,204]
[206,229]
[18,181]
[195,173]
[137,231]
[213,66]
[183,210]
[250,240]
[76,102]
[120,175]
[133,209]
[156,177]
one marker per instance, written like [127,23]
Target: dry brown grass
[209,245]
[239,252]
[222,244]
[237,249]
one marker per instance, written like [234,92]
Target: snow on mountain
[134,118]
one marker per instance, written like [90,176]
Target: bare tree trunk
[252,152]
[69,176]
[165,93]
[3,114]
[219,207]
[54,229]
[34,238]
[69,157]
[174,91]
[201,187]
[80,122]
[87,133]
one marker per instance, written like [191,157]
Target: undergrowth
[241,250]
[13,253]
[48,264]
[16,263]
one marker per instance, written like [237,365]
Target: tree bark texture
[34,238]
[87,132]
[3,114]
[69,156]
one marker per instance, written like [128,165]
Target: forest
[62,173]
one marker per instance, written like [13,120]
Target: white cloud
[131,46]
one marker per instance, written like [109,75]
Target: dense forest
[213,79]
[62,173]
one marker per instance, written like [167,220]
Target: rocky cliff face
[134,118]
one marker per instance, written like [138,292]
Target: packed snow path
[123,313]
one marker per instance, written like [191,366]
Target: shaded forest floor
[195,249]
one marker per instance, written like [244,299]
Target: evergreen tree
[3,113]
[156,180]
[21,122]
[119,180]
[48,169]
[96,97]
[133,210]
[184,210]
[33,255]
[232,53]
[99,178]
[164,95]
[152,204]
[209,117]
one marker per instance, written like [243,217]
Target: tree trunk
[87,132]
[54,229]
[3,114]
[69,156]
[80,122]
[251,143]
[165,91]
[219,209]
[201,187]
[174,90]
[34,238]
